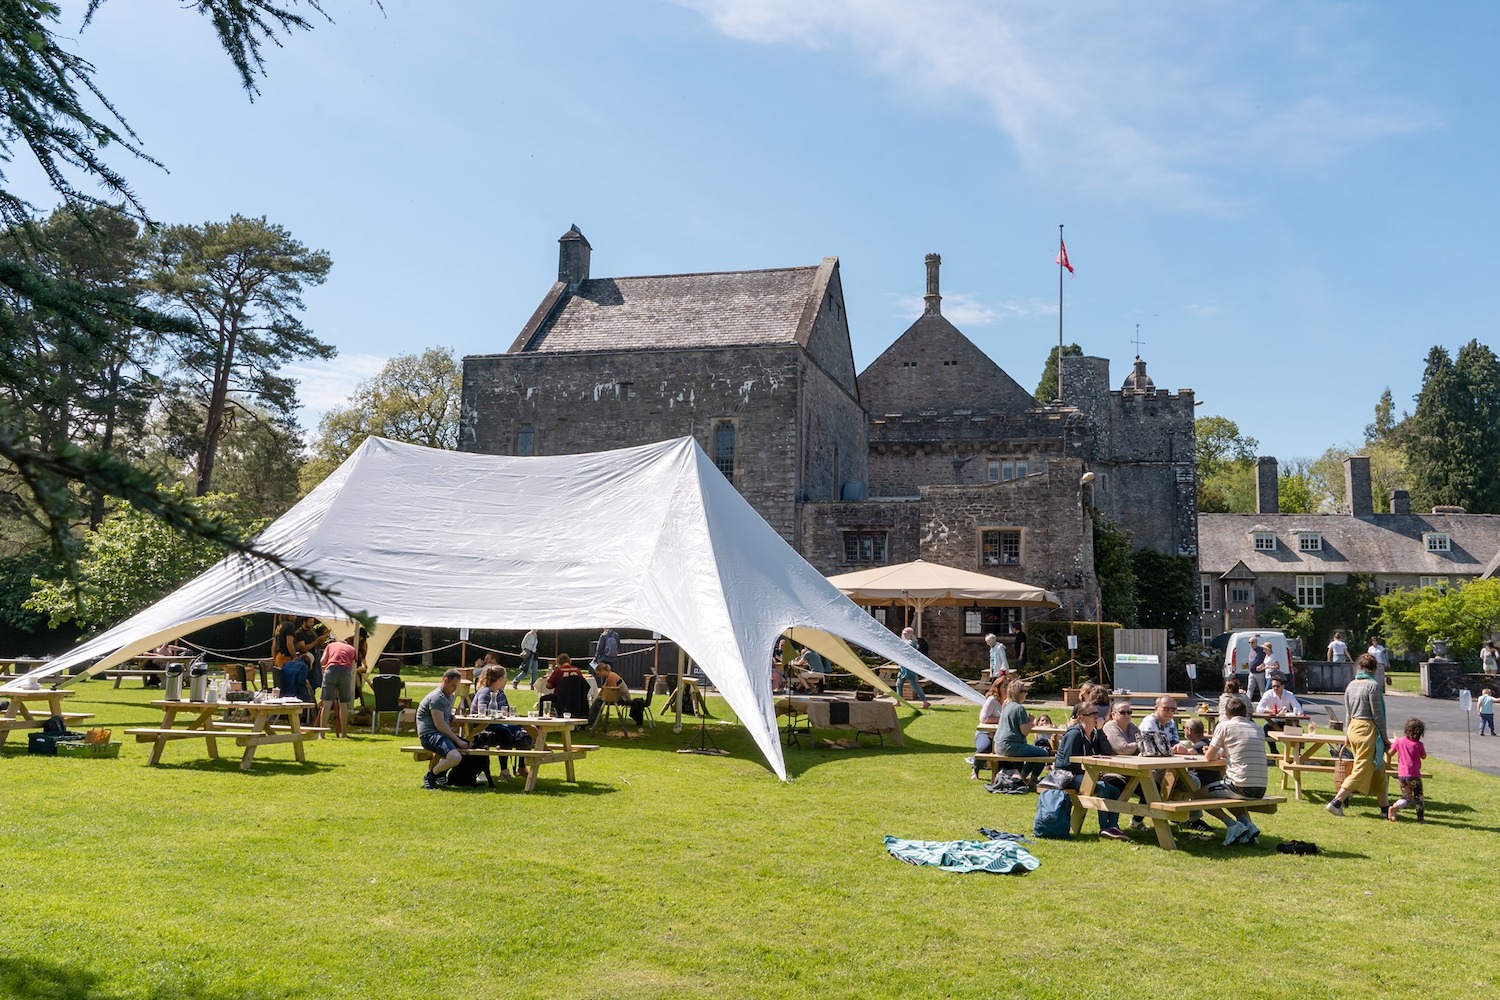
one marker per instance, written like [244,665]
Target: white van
[1237,652]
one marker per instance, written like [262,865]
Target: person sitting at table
[1163,719]
[1084,738]
[166,649]
[338,686]
[609,680]
[1124,735]
[1013,732]
[561,667]
[490,695]
[1277,701]
[1197,735]
[294,679]
[1232,690]
[989,715]
[1242,746]
[435,730]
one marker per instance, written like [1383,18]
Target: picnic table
[148,666]
[19,714]
[1299,754]
[206,725]
[1210,717]
[876,717]
[1159,807]
[541,752]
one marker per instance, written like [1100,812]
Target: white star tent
[652,537]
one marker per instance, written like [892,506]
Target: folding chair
[387,689]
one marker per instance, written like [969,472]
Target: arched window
[526,440]
[724,448]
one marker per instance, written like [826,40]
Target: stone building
[932,452]
[1246,559]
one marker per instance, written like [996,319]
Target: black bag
[45,742]
[55,724]
[466,773]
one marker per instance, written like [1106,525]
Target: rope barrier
[224,652]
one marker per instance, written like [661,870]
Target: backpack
[1054,815]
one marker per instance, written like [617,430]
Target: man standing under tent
[284,646]
[435,730]
[338,686]
[609,646]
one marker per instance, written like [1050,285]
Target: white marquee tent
[652,537]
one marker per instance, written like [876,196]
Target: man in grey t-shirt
[435,730]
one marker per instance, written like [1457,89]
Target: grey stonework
[611,362]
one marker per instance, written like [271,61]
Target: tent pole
[681,669]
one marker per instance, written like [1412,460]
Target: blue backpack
[1054,815]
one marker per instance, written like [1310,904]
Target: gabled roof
[933,366]
[1377,543]
[722,309]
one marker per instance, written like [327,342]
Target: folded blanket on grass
[999,856]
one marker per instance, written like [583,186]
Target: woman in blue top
[1085,738]
[1013,732]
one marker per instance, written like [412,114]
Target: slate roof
[728,308]
[910,375]
[1389,544]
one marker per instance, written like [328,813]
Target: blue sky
[1290,199]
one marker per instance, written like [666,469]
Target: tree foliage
[1465,615]
[1047,391]
[1166,592]
[133,559]
[1113,567]
[1451,442]
[415,399]
[1226,466]
[237,286]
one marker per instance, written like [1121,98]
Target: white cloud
[323,385]
[1145,102]
[965,311]
[1200,309]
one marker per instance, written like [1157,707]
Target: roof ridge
[710,274]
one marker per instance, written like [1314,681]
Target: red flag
[1062,256]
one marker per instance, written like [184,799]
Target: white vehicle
[1237,652]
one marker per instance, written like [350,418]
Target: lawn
[665,874]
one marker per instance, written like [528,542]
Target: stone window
[1001,547]
[1265,541]
[526,440]
[1310,591]
[864,546]
[1206,590]
[1437,541]
[1241,594]
[994,471]
[1309,541]
[973,621]
[1440,582]
[1020,467]
[1389,587]
[724,448]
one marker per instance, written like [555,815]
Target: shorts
[438,743]
[338,685]
[1228,790]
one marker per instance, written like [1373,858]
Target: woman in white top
[989,715]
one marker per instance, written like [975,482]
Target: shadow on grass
[261,768]
[33,978]
[545,788]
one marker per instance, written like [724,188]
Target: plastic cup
[567,715]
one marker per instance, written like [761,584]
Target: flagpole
[1060,245]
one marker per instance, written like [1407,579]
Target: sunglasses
[1088,715]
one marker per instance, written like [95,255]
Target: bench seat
[994,760]
[1267,804]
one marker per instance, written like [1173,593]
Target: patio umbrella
[919,585]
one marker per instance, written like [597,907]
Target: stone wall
[593,402]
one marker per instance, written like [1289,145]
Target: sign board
[1466,700]
[1072,642]
[463,635]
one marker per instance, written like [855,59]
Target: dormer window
[1265,541]
[1309,541]
[1437,541]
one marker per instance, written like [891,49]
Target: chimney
[1267,486]
[1400,502]
[573,259]
[1357,486]
[932,298]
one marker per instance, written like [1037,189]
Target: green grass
[665,874]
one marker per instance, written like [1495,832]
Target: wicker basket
[1342,766]
[75,748]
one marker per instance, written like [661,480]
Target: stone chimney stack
[1400,502]
[932,298]
[1357,486]
[1267,486]
[573,259]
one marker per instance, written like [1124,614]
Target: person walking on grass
[1410,753]
[1369,737]
[528,660]
[906,675]
[435,730]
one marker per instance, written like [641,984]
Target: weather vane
[1138,341]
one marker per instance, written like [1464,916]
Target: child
[1487,711]
[1409,753]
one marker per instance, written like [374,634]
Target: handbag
[1155,744]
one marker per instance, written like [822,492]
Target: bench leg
[531,770]
[1164,834]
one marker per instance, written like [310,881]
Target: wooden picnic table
[1142,773]
[877,717]
[147,667]
[205,725]
[19,714]
[1298,755]
[542,752]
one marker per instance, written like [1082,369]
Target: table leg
[1162,826]
[1079,812]
[567,736]
[262,725]
[294,722]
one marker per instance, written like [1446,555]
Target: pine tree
[1047,391]
[1451,443]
